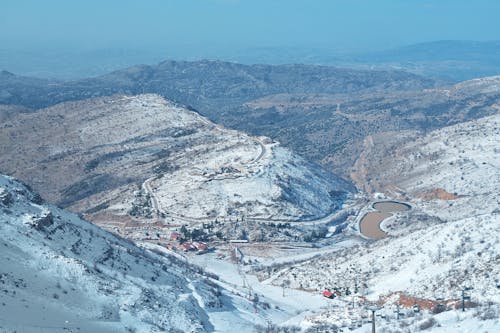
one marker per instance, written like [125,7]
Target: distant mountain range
[205,82]
[450,60]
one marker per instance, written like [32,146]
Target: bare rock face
[438,193]
[5,198]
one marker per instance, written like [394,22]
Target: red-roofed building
[202,247]
[187,247]
[328,294]
[175,236]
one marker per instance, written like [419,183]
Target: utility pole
[373,309]
[373,320]
[397,312]
[465,297]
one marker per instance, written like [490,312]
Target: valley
[283,243]
[239,166]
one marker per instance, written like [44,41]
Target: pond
[369,225]
[391,206]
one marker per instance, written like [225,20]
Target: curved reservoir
[369,225]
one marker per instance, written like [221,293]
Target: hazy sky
[227,24]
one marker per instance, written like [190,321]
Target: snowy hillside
[124,159]
[452,235]
[250,180]
[59,273]
[482,85]
[452,173]
[438,261]
[447,242]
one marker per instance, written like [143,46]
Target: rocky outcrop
[45,219]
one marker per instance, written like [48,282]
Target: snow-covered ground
[464,160]
[449,241]
[233,175]
[244,181]
[59,273]
[144,159]
[480,320]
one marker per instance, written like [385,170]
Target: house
[328,294]
[175,236]
[187,247]
[200,246]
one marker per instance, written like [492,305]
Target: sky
[223,25]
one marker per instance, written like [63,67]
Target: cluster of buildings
[199,247]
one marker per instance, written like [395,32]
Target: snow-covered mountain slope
[254,181]
[59,273]
[449,241]
[438,261]
[452,173]
[483,85]
[124,159]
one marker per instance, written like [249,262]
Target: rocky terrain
[280,225]
[331,129]
[128,159]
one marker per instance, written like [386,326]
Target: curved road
[146,186]
[263,150]
[155,204]
[157,207]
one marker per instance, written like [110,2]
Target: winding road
[146,186]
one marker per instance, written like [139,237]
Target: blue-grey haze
[38,35]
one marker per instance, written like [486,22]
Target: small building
[187,247]
[200,246]
[238,241]
[175,236]
[328,294]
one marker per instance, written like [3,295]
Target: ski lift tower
[373,309]
[465,297]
